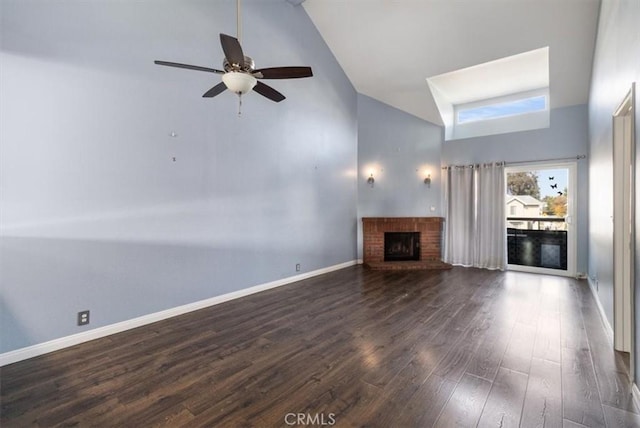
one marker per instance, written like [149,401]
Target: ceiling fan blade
[284,72]
[188,67]
[269,92]
[232,50]
[218,89]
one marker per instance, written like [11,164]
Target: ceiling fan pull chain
[240,104]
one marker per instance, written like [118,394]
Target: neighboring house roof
[524,200]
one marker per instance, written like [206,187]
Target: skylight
[505,109]
[509,94]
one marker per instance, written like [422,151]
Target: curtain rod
[578,157]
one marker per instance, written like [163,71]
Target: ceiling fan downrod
[238,22]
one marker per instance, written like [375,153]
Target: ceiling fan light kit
[238,82]
[240,75]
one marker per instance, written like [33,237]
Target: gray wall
[616,65]
[397,147]
[566,137]
[97,215]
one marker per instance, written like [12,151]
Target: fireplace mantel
[430,229]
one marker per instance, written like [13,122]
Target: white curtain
[475,233]
[459,215]
[491,234]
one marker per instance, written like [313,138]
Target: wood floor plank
[543,398]
[485,362]
[372,348]
[566,423]
[466,403]
[548,343]
[580,394]
[426,404]
[455,362]
[610,369]
[614,386]
[519,352]
[504,404]
[404,386]
[572,331]
[617,418]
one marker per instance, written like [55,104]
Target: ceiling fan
[240,75]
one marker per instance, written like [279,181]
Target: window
[512,210]
[504,109]
[509,113]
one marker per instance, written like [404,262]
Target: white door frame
[624,225]
[572,246]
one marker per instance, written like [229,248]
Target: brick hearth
[430,229]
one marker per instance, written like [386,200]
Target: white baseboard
[603,315]
[75,339]
[635,392]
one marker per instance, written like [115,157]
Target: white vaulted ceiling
[388,48]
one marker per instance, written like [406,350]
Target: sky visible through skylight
[495,111]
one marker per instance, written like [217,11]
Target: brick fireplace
[428,245]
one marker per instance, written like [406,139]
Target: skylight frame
[501,80]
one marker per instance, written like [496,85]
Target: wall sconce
[371,180]
[427,181]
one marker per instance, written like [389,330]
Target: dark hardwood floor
[355,347]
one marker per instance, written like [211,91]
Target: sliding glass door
[540,218]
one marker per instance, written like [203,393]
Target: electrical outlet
[297,267]
[83,318]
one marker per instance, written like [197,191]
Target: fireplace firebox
[401,246]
